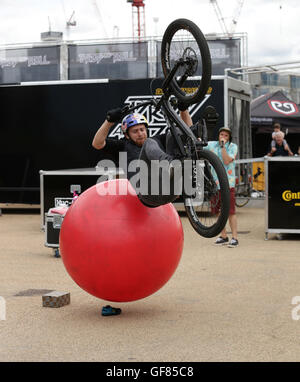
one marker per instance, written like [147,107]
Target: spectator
[281,147]
[277,128]
[227,151]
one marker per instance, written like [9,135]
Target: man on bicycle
[138,146]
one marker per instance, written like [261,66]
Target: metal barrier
[250,182]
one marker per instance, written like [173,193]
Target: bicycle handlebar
[130,108]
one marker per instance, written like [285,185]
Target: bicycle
[185,53]
[244,191]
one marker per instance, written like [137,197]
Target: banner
[113,61]
[30,64]
[224,54]
[284,194]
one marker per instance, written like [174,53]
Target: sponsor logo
[283,107]
[289,196]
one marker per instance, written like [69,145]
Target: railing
[249,180]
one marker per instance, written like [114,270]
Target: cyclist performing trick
[137,145]
[175,164]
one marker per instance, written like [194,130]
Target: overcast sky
[272,26]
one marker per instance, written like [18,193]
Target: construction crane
[234,20]
[218,12]
[71,22]
[100,18]
[236,16]
[138,19]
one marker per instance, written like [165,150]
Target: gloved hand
[114,115]
[182,106]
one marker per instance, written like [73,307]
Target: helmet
[132,120]
[227,131]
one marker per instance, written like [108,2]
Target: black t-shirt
[280,151]
[131,150]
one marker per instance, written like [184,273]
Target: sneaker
[110,311]
[221,241]
[233,243]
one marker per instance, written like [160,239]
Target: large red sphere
[117,249]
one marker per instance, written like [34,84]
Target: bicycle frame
[173,120]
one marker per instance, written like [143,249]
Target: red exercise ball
[117,249]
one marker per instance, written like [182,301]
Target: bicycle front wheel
[184,43]
[208,206]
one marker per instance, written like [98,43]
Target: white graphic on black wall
[157,122]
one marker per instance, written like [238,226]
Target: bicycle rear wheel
[208,207]
[241,201]
[184,42]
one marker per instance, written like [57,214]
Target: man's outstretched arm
[99,140]
[113,116]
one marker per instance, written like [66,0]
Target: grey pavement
[222,304]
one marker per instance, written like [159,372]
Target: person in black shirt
[281,148]
[137,146]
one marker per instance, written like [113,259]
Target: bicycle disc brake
[191,62]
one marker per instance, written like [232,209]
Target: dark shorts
[216,203]
[151,151]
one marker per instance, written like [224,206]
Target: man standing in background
[227,151]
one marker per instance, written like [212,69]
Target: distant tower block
[138,19]
[51,36]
